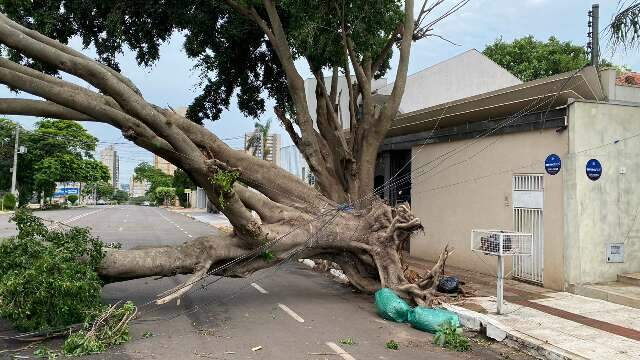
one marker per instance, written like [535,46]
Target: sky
[173,82]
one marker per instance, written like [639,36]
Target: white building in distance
[109,157]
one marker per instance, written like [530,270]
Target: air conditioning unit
[501,242]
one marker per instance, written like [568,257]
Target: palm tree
[259,138]
[624,29]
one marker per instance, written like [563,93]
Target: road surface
[290,312]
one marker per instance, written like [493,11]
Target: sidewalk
[545,323]
[218,221]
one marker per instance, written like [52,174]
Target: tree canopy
[530,59]
[232,54]
[57,151]
[155,177]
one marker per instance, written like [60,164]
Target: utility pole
[594,35]
[14,175]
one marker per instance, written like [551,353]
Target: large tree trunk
[293,219]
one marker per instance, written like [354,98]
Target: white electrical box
[615,252]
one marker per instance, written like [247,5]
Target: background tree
[57,151]
[530,59]
[248,48]
[165,195]
[120,196]
[102,189]
[181,181]
[155,177]
[258,140]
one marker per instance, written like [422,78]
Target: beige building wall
[473,190]
[603,211]
[162,164]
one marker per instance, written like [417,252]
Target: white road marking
[259,288]
[56,224]
[173,223]
[120,228]
[291,313]
[343,354]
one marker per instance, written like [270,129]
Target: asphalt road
[290,311]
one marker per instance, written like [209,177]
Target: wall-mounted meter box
[615,252]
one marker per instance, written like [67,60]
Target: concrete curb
[494,329]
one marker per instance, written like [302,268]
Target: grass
[392,345]
[450,337]
[346,341]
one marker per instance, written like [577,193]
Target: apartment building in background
[137,188]
[109,157]
[162,164]
[272,146]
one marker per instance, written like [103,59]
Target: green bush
[9,201]
[449,336]
[73,199]
[43,282]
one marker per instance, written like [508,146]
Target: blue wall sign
[552,164]
[594,169]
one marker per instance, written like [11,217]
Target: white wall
[464,75]
[343,96]
[292,160]
[472,189]
[602,211]
[615,92]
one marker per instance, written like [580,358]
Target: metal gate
[528,198]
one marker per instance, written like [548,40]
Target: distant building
[124,187]
[162,164]
[273,144]
[137,188]
[109,157]
[292,160]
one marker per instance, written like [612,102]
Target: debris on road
[256,348]
[430,320]
[449,285]
[390,306]
[346,341]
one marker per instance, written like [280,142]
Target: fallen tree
[340,220]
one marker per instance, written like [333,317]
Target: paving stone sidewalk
[549,324]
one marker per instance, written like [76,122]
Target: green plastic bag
[429,320]
[390,306]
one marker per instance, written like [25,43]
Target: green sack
[429,320]
[390,306]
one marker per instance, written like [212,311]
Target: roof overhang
[533,96]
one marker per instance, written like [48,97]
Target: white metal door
[528,195]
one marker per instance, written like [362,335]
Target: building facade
[109,157]
[137,188]
[272,146]
[488,165]
[162,164]
[292,160]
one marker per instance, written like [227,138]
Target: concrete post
[14,175]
